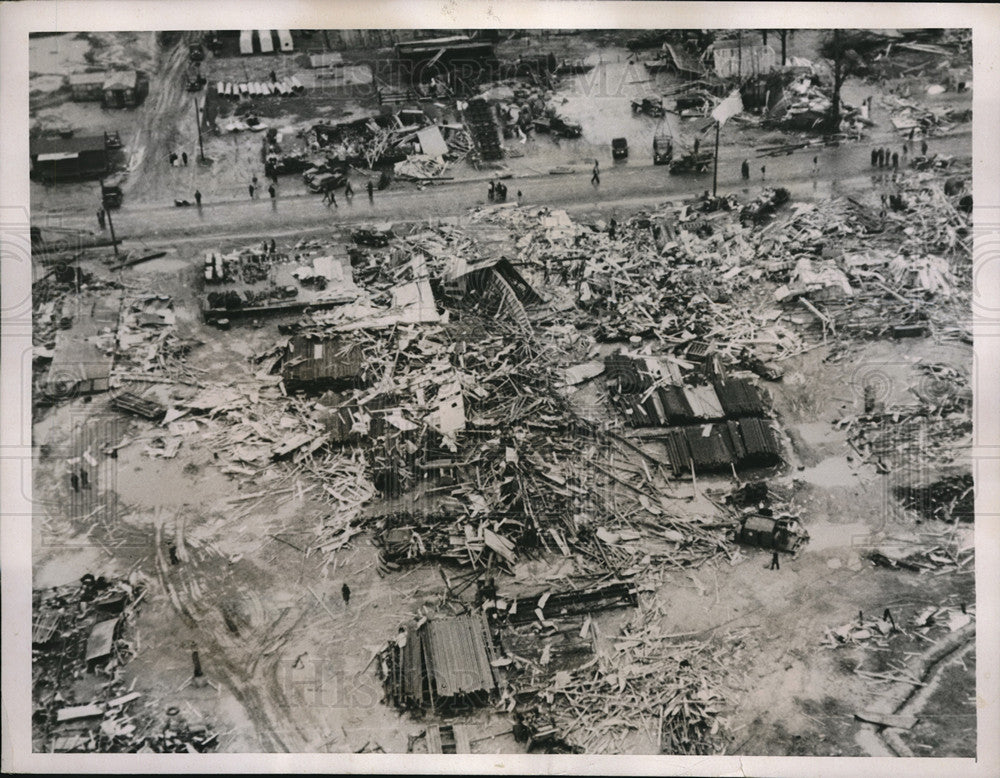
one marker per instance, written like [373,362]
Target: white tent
[246,42]
[266,41]
[285,40]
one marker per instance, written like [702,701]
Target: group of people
[272,188]
[885,158]
[498,192]
[174,158]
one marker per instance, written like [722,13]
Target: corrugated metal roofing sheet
[457,656]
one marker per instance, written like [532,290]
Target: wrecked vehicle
[648,106]
[692,162]
[323,180]
[778,533]
[373,238]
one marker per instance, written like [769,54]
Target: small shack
[87,87]
[64,159]
[472,60]
[125,89]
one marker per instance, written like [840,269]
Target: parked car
[619,148]
[323,179]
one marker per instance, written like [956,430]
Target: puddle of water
[831,472]
[817,432]
[824,535]
[162,265]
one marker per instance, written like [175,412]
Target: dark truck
[650,106]
[619,148]
[558,126]
[112,196]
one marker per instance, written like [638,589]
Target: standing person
[100,217]
[348,190]
[345,592]
[895,160]
[878,157]
[815,163]
[612,227]
[492,191]
[197,197]
[763,172]
[595,179]
[184,158]
[173,158]
[250,188]
[371,192]
[333,198]
[519,196]
[272,191]
[697,143]
[745,169]
[923,148]
[912,130]
[874,157]
[775,565]
[274,247]
[906,148]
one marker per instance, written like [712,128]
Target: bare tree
[837,50]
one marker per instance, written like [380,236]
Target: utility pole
[111,224]
[197,121]
[715,170]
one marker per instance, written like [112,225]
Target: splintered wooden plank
[434,739]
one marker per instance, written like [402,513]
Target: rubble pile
[929,623]
[83,635]
[650,684]
[903,273]
[929,551]
[949,499]
[909,116]
[898,437]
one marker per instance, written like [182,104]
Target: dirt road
[628,186]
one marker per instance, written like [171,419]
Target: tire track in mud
[239,658]
[159,124]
